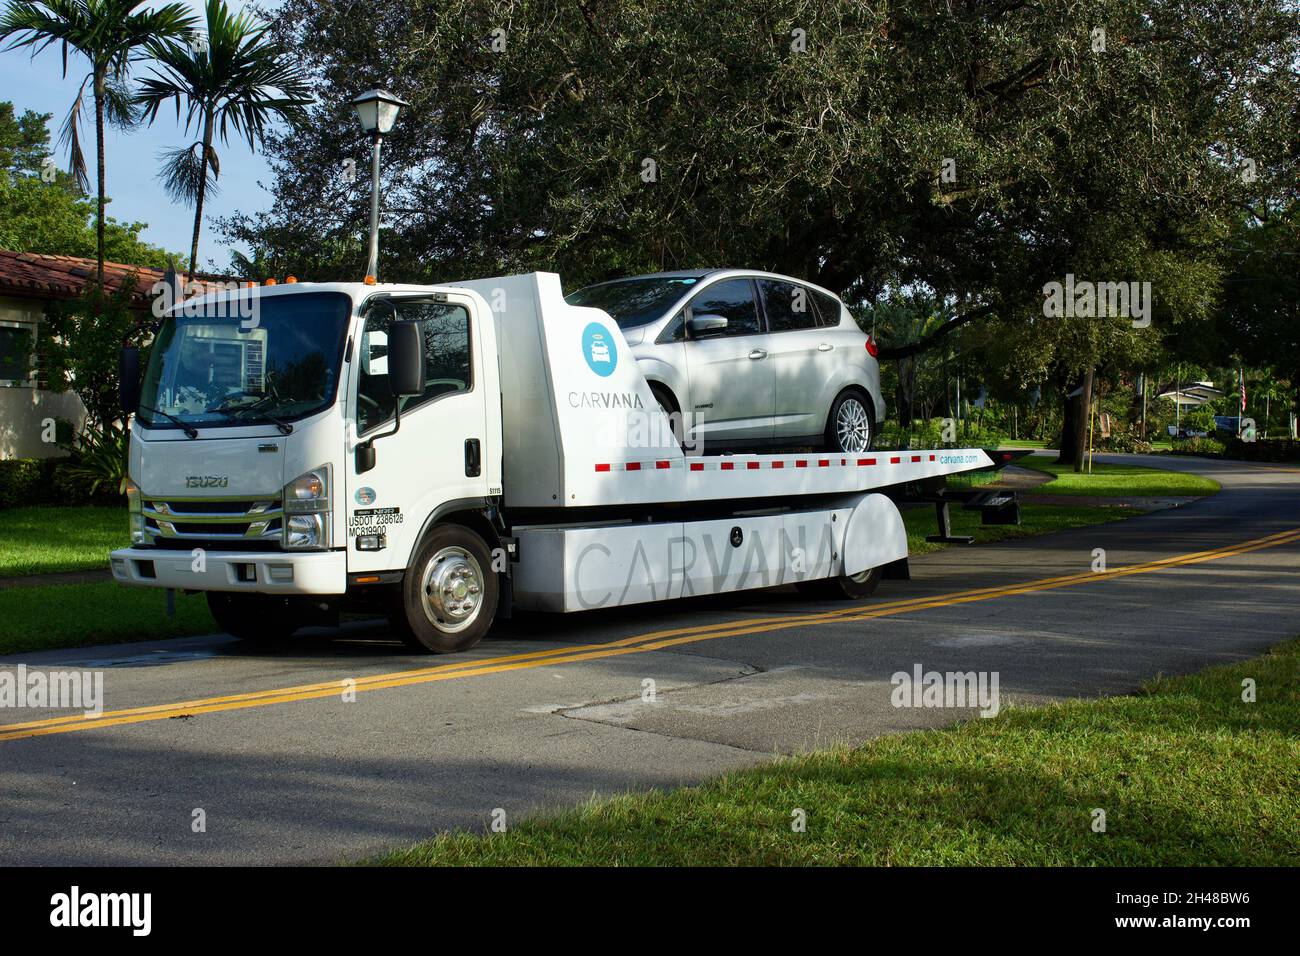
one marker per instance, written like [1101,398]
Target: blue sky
[132,158]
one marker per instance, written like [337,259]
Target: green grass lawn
[1035,520]
[1121,481]
[40,540]
[75,615]
[1186,772]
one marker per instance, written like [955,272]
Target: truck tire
[256,618]
[851,425]
[854,587]
[449,594]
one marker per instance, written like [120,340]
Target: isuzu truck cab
[442,454]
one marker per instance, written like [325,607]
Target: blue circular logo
[365,496]
[599,350]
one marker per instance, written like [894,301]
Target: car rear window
[788,306]
[828,306]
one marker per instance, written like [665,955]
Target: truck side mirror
[701,326]
[128,379]
[406,359]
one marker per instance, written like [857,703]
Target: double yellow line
[639,644]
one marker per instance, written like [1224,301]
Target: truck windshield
[634,302]
[282,363]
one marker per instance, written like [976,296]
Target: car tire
[855,587]
[669,406]
[851,425]
[449,594]
[256,618]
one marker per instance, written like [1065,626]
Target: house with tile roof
[29,283]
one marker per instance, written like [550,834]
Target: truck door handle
[758,354]
[825,347]
[473,458]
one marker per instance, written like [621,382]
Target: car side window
[733,299]
[675,330]
[788,306]
[447,357]
[829,307]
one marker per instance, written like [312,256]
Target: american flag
[1241,379]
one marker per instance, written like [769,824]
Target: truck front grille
[232,520]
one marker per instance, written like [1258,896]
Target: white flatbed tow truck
[525,464]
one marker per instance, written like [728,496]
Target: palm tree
[235,80]
[110,34]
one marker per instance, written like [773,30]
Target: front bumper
[278,572]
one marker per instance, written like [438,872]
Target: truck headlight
[135,513]
[307,510]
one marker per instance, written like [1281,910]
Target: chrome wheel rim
[451,590]
[852,426]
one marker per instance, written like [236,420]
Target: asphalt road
[550,710]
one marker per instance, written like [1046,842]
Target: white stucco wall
[25,412]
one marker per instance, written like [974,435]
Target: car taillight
[872,348]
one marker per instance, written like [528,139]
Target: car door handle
[758,353]
[825,347]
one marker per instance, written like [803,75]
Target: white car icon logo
[599,351]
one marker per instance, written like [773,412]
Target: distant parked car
[753,359]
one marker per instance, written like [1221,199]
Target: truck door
[436,454]
[732,387]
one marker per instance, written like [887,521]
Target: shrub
[97,467]
[27,481]
[1211,447]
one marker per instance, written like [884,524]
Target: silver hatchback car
[748,359]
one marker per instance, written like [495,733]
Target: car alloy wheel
[853,425]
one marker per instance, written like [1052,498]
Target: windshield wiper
[189,429]
[232,414]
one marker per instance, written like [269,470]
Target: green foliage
[238,82]
[1208,447]
[98,467]
[930,434]
[81,341]
[24,481]
[51,217]
[109,35]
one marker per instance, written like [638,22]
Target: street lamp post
[377,110]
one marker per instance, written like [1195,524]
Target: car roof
[704,273]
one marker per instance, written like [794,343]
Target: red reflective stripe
[697,466]
[932,457]
[663,464]
[752,465]
[634,466]
[867,461]
[801,464]
[895,461]
[728,466]
[778,464]
[604,467]
[823,463]
[916,458]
